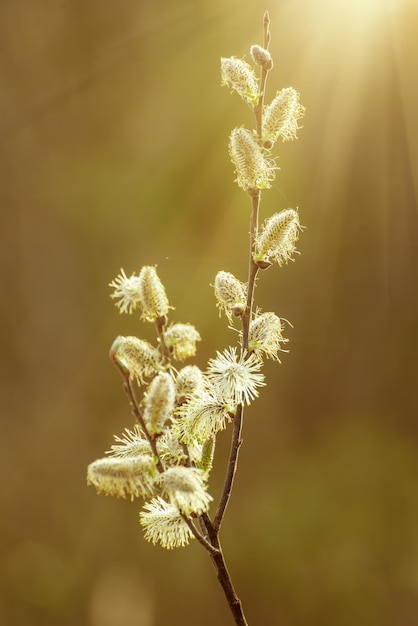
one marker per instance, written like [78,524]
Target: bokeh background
[113,138]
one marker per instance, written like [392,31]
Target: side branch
[127,386]
[213,550]
[232,468]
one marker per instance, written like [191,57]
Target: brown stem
[213,551]
[232,468]
[160,323]
[127,386]
[214,548]
[225,580]
[252,268]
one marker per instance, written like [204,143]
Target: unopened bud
[261,57]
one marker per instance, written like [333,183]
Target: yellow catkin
[231,294]
[239,76]
[154,301]
[277,240]
[159,403]
[281,117]
[253,169]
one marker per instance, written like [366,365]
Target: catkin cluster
[167,456]
[250,150]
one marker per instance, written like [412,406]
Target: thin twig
[160,323]
[213,551]
[252,269]
[129,390]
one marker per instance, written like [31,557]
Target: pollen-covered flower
[185,488]
[173,452]
[123,476]
[181,340]
[132,443]
[253,169]
[281,117]
[277,239]
[231,295]
[189,381]
[170,450]
[239,76]
[138,356]
[126,290]
[159,403]
[265,336]
[261,57]
[163,524]
[202,416]
[235,378]
[154,301]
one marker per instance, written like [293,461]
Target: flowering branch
[167,457]
[127,386]
[255,196]
[130,392]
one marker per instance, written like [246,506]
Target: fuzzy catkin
[281,117]
[154,301]
[239,76]
[253,169]
[278,237]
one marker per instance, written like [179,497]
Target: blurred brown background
[113,135]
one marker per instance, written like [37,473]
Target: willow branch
[213,550]
[127,386]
